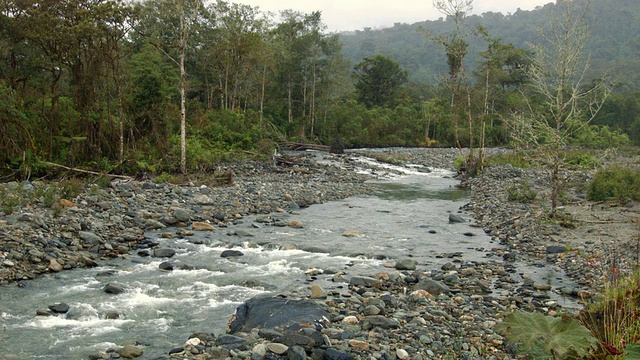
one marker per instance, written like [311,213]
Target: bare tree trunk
[183,115]
[264,80]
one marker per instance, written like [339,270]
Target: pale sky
[343,15]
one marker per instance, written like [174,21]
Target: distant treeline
[103,85]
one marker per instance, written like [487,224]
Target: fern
[547,337]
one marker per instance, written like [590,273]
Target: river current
[160,309]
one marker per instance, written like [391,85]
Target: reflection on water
[415,192]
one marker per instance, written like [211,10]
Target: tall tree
[378,80]
[171,23]
[558,78]
[455,45]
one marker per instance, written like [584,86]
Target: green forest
[182,85]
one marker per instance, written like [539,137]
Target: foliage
[614,319]
[95,84]
[521,192]
[458,163]
[580,159]
[598,137]
[546,337]
[163,178]
[10,198]
[617,182]
[378,80]
[517,159]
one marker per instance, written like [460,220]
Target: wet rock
[363,281]
[317,292]
[130,351]
[406,264]
[55,266]
[231,254]
[166,266]
[113,288]
[453,218]
[202,226]
[296,224]
[164,253]
[60,308]
[276,313]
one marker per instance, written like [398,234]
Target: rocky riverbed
[405,312]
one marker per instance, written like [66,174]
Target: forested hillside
[181,85]
[614,45]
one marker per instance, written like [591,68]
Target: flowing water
[160,309]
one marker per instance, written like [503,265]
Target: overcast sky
[341,15]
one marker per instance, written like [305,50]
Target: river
[160,309]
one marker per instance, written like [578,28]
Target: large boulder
[284,315]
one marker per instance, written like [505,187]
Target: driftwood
[86,171]
[303,146]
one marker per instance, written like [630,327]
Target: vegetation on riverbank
[114,87]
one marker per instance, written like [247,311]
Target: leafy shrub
[71,188]
[47,195]
[547,337]
[163,178]
[598,137]
[615,182]
[580,159]
[458,163]
[521,192]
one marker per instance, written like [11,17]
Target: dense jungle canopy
[123,87]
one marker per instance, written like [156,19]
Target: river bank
[403,313]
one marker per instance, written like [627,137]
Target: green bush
[521,192]
[517,159]
[580,159]
[598,137]
[163,178]
[616,182]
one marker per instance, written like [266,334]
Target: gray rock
[60,308]
[277,313]
[165,265]
[90,237]
[154,224]
[296,352]
[203,200]
[130,351]
[381,322]
[363,281]
[432,287]
[453,218]
[164,253]
[231,253]
[406,264]
[556,249]
[113,288]
[181,214]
